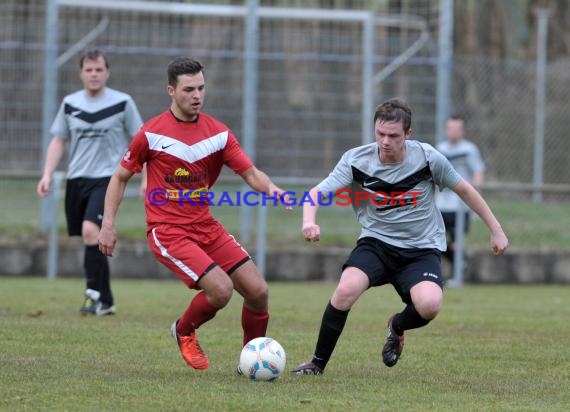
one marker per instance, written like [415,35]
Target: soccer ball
[262,359]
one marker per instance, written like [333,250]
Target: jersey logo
[167,146]
[370,183]
[181,172]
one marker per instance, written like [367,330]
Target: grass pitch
[492,348]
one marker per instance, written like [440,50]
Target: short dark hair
[456,116]
[182,65]
[93,54]
[394,110]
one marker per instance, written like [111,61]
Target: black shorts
[402,268]
[84,200]
[449,221]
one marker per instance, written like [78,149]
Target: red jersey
[183,160]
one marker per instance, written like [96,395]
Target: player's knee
[428,307]
[258,295]
[261,293]
[427,298]
[220,296]
[89,233]
[344,297]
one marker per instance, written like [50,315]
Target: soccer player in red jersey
[184,151]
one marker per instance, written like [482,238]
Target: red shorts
[191,251]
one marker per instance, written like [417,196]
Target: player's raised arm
[115,192]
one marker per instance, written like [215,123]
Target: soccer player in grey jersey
[464,156]
[402,230]
[97,123]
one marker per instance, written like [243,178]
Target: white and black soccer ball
[262,359]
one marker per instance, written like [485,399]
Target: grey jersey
[98,130]
[466,159]
[403,212]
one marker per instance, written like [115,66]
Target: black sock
[331,328]
[97,272]
[409,318]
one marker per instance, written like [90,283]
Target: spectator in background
[97,123]
[464,156]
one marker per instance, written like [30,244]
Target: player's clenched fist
[311,232]
[107,240]
[499,242]
[43,186]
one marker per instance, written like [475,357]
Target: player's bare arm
[142,187]
[260,182]
[54,153]
[499,241]
[113,197]
[311,231]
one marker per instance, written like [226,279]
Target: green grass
[529,226]
[493,348]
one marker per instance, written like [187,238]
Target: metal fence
[498,100]
[310,84]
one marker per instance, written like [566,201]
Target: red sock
[199,311]
[254,324]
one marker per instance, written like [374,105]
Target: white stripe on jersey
[177,262]
[188,153]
